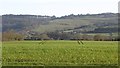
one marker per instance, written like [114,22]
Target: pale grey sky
[57,7]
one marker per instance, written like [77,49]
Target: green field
[59,53]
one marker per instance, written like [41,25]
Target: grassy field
[60,53]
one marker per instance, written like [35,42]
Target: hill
[89,23]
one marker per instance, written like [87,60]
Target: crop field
[59,53]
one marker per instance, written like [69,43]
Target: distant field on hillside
[98,23]
[59,53]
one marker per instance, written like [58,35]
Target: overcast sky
[57,7]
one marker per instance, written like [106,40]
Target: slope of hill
[0,23]
[89,23]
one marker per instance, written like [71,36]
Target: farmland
[59,53]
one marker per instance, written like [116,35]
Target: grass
[0,54]
[59,53]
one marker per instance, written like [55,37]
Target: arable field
[59,53]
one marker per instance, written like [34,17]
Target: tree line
[11,35]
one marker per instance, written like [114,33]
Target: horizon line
[61,15]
